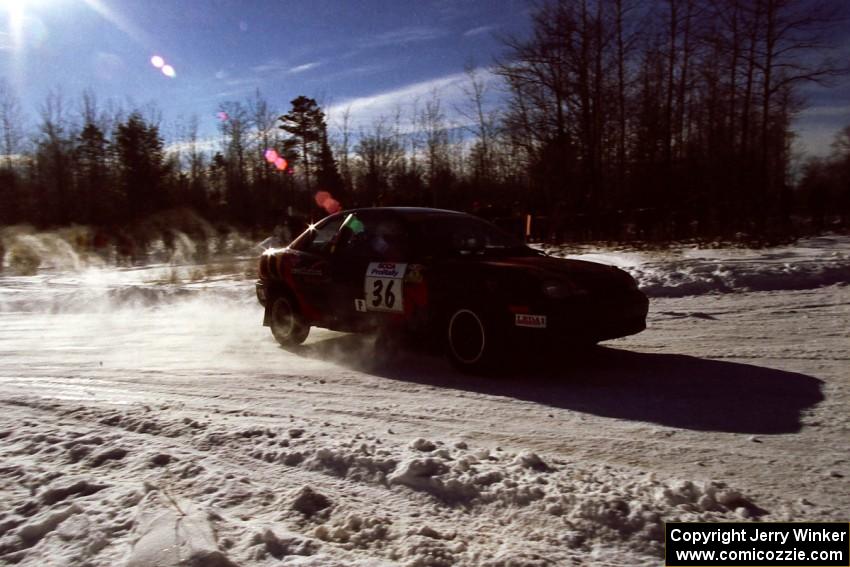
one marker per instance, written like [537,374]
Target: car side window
[317,240]
[373,238]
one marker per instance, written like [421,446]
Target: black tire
[287,325]
[471,342]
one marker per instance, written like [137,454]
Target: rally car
[445,276]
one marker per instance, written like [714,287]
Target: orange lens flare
[326,201]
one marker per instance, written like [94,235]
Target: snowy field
[149,419]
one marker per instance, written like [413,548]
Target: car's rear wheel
[471,342]
[287,324]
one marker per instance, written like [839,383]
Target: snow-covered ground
[148,418]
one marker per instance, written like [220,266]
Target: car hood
[591,276]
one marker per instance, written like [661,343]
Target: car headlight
[560,289]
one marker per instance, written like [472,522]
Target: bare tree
[234,127]
[263,121]
[343,149]
[792,29]
[432,124]
[480,121]
[196,156]
[54,156]
[11,124]
[378,153]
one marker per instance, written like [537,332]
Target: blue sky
[365,53]
[370,54]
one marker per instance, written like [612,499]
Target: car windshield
[462,235]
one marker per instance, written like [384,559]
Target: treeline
[109,167]
[674,114]
[617,119]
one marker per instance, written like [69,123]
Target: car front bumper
[587,319]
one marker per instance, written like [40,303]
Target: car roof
[407,212]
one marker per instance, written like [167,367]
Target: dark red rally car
[444,276]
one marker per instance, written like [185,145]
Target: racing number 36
[384,287]
[382,294]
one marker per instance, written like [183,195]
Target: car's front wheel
[471,342]
[287,324]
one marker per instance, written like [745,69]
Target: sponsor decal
[531,321]
[386,270]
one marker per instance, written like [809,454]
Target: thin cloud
[202,145]
[304,67]
[453,9]
[408,34]
[478,31]
[357,71]
[449,88]
[278,66]
[240,81]
[814,139]
[269,66]
[237,86]
[826,111]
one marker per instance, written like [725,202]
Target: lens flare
[157,61]
[223,116]
[280,163]
[271,155]
[326,201]
[169,71]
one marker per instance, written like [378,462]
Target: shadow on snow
[668,389]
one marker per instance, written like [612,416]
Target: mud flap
[267,316]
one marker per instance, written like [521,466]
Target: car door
[311,267]
[368,268]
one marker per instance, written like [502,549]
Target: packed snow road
[147,421]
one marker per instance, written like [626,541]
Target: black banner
[759,544]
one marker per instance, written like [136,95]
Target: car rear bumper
[262,292]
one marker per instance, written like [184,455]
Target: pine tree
[306,123]
[327,174]
[139,152]
[90,157]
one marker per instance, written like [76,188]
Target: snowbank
[155,506]
[808,264]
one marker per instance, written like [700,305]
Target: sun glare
[22,19]
[11,5]
[15,12]
[18,7]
